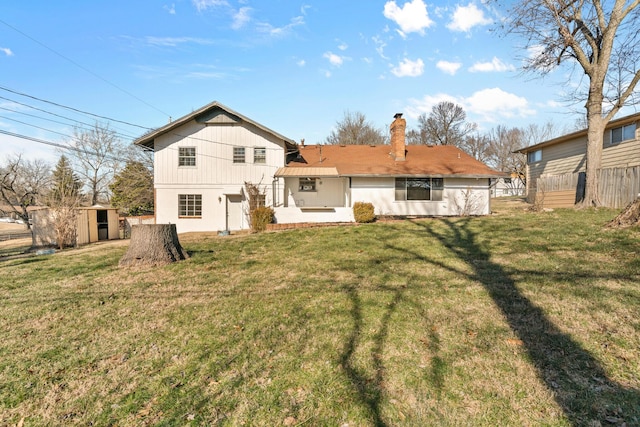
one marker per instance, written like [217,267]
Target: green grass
[517,319]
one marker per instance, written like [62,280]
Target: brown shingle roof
[365,160]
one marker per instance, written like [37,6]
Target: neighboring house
[511,185]
[202,163]
[555,168]
[93,224]
[323,181]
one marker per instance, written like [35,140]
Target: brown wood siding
[557,199]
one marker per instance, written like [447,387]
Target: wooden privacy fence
[617,188]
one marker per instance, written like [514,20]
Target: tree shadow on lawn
[579,383]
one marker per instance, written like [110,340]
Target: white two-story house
[202,163]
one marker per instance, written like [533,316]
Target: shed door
[234,212]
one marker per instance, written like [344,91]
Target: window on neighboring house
[190,205]
[307,184]
[238,154]
[187,156]
[259,155]
[534,156]
[623,133]
[507,180]
[419,189]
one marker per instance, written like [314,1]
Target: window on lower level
[186,156]
[623,133]
[534,156]
[238,155]
[419,189]
[307,184]
[190,205]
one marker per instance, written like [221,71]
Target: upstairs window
[534,156]
[307,184]
[238,155]
[623,133]
[259,155]
[187,156]
[419,189]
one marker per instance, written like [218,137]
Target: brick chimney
[398,138]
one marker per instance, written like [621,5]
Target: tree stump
[153,244]
[628,217]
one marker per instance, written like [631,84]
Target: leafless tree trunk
[22,185]
[153,244]
[602,40]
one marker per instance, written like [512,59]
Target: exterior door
[234,212]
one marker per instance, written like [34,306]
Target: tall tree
[602,39]
[419,136]
[503,142]
[477,145]
[64,182]
[23,184]
[354,129]
[132,189]
[63,201]
[447,124]
[97,155]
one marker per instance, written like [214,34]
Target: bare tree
[23,184]
[447,125]
[354,129]
[420,135]
[503,142]
[477,146]
[63,201]
[97,155]
[601,38]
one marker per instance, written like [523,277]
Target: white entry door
[234,212]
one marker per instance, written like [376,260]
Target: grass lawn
[519,319]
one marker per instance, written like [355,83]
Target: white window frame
[626,133]
[239,155]
[534,156]
[260,155]
[186,156]
[189,205]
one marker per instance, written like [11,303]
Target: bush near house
[363,212]
[260,217]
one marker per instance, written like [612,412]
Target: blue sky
[293,66]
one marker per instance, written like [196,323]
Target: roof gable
[214,113]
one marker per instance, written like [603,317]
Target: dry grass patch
[427,322]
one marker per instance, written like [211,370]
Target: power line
[72,109]
[84,68]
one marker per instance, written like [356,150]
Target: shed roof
[205,115]
[375,160]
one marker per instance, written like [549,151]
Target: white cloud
[494,65]
[171,9]
[409,68]
[490,105]
[175,41]
[301,63]
[448,67]
[280,31]
[494,103]
[335,60]
[466,17]
[380,45]
[206,4]
[241,17]
[6,51]
[343,46]
[411,18]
